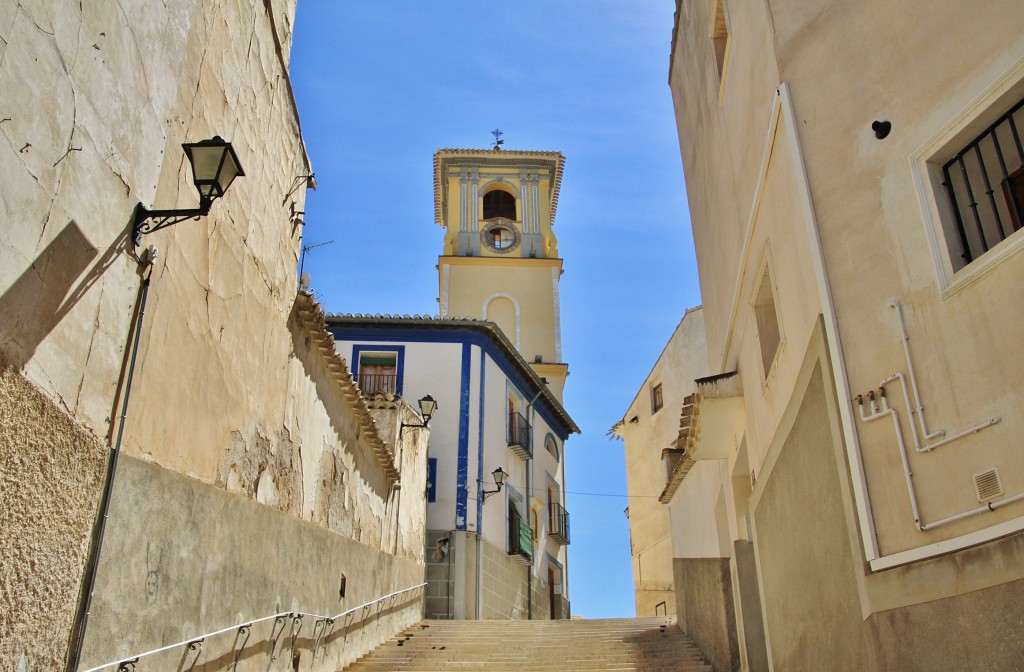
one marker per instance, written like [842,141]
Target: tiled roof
[719,386]
[556,178]
[490,329]
[685,442]
[311,318]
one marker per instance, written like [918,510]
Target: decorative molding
[515,304]
[556,303]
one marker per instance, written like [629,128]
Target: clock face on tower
[500,236]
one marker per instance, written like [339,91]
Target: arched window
[499,203]
[551,446]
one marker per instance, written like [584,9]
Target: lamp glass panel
[206,162]
[229,170]
[427,406]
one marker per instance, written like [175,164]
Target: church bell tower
[500,260]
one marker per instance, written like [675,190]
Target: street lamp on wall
[500,476]
[214,167]
[427,407]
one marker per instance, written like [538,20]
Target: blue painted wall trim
[466,337]
[399,351]
[480,445]
[461,484]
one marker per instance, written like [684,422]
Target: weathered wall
[233,400]
[704,605]
[440,575]
[683,359]
[504,585]
[51,474]
[183,557]
[812,598]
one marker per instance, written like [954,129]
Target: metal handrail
[329,620]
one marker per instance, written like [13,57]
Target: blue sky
[382,85]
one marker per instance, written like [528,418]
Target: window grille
[985,184]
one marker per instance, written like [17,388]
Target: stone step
[619,645]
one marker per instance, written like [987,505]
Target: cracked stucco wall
[98,98]
[51,473]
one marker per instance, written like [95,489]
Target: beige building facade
[855,182]
[181,449]
[649,429]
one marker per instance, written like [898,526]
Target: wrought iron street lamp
[500,476]
[214,167]
[427,407]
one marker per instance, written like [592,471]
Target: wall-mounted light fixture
[500,476]
[214,167]
[427,408]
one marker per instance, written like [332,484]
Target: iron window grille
[985,185]
[558,523]
[519,435]
[371,383]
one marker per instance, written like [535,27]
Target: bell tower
[500,260]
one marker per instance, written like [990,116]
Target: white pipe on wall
[918,407]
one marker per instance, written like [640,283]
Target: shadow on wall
[46,291]
[339,411]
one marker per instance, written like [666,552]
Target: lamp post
[427,407]
[500,476]
[214,167]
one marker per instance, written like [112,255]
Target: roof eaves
[489,329]
[312,319]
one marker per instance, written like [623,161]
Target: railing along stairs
[323,628]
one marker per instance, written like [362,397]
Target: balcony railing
[371,383]
[520,436]
[520,539]
[558,523]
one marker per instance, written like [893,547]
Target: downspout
[862,498]
[565,565]
[480,488]
[92,564]
[531,413]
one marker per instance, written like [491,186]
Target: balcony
[520,539]
[371,383]
[558,523]
[520,436]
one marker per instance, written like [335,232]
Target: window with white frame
[983,183]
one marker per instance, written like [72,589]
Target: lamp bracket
[406,426]
[485,493]
[148,221]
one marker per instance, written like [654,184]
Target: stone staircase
[640,644]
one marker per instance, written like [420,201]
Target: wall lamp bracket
[214,167]
[427,408]
[500,476]
[148,221]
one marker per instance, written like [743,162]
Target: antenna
[307,248]
[498,142]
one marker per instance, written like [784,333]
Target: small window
[378,372]
[657,399]
[984,182]
[499,203]
[552,447]
[500,238]
[766,316]
[431,479]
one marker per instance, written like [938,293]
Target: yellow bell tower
[500,260]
